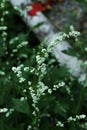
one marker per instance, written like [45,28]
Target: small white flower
[3,27]
[26,69]
[49,91]
[61,84]
[22,99]
[3,110]
[9,112]
[29,127]
[82,116]
[24,91]
[2,73]
[60,124]
[34,113]
[21,80]
[29,83]
[14,69]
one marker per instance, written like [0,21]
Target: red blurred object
[39,6]
[48,2]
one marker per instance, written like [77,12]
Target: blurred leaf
[38,25]
[21,106]
[61,108]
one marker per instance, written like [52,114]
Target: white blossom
[2,110]
[59,124]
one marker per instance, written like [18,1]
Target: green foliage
[84,1]
[21,106]
[36,92]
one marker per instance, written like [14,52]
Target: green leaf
[21,106]
[82,1]
[61,108]
[38,25]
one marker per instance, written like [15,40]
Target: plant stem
[80,101]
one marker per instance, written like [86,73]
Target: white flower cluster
[41,70]
[4,34]
[50,91]
[40,59]
[23,98]
[22,44]
[29,83]
[40,91]
[44,53]
[41,88]
[3,110]
[74,33]
[86,49]
[61,84]
[56,87]
[14,50]
[9,112]
[26,69]
[23,55]
[2,5]
[59,124]
[41,66]
[18,71]
[63,36]
[6,111]
[36,94]
[3,28]
[5,12]
[2,73]
[13,40]
[29,127]
[78,117]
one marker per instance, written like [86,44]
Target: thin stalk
[80,101]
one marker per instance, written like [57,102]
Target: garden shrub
[36,92]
